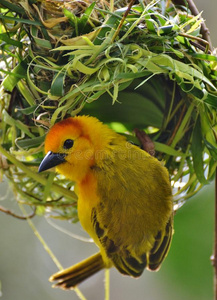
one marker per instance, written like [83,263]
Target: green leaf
[12,79]
[132,109]
[110,24]
[77,65]
[5,37]
[16,123]
[29,95]
[197,152]
[84,19]
[13,7]
[204,56]
[20,20]
[165,29]
[185,69]
[167,149]
[31,143]
[211,148]
[150,23]
[73,20]
[43,43]
[57,86]
[211,99]
[133,75]
[28,110]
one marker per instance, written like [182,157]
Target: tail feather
[72,276]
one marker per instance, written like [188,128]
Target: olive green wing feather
[131,221]
[120,256]
[161,246]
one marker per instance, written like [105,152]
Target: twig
[146,142]
[9,212]
[123,19]
[197,45]
[204,30]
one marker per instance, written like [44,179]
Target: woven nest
[139,64]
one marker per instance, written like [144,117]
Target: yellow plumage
[124,197]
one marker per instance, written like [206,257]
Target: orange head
[71,144]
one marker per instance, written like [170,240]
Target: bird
[124,201]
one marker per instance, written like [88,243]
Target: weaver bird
[124,198]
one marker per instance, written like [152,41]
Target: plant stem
[48,250]
[38,235]
[107,284]
[79,294]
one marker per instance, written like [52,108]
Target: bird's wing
[133,219]
[161,246]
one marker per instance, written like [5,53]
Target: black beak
[51,160]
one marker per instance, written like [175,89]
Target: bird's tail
[72,276]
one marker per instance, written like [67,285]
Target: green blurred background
[187,272]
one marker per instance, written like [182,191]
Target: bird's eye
[68,144]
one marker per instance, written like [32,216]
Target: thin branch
[146,142]
[197,45]
[9,212]
[204,30]
[123,19]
